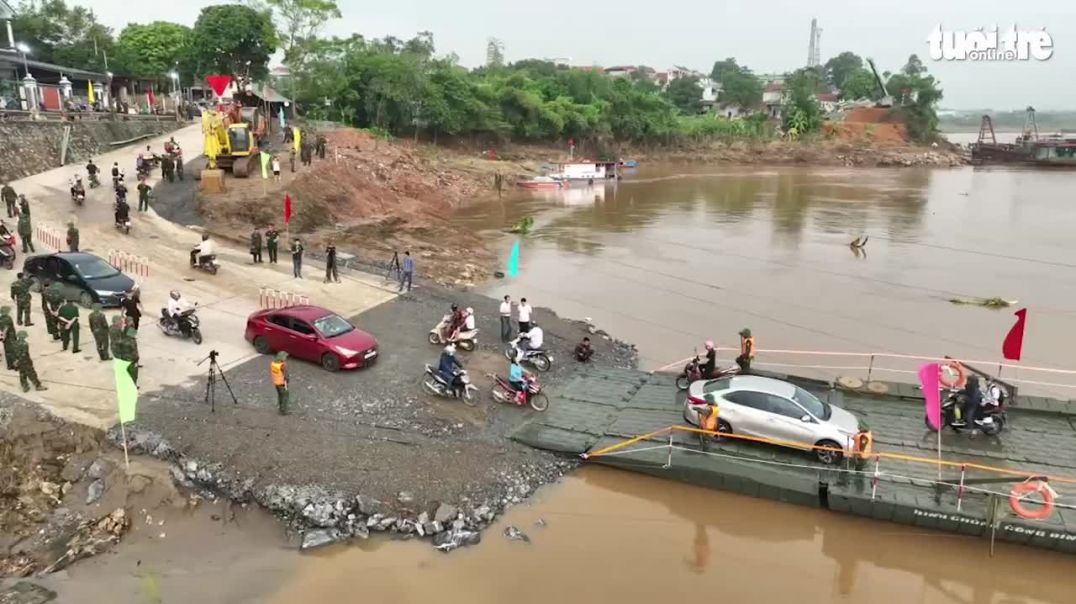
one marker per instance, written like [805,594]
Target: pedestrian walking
[407,270]
[72,237]
[25,364]
[525,311]
[297,258]
[278,373]
[276,169]
[51,300]
[179,164]
[24,206]
[506,319]
[20,293]
[69,325]
[168,167]
[132,307]
[143,195]
[256,245]
[26,233]
[7,193]
[99,329]
[747,350]
[331,274]
[272,236]
[8,335]
[115,336]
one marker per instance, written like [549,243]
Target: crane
[886,100]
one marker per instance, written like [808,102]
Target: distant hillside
[1049,121]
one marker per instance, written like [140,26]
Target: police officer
[278,373]
[256,245]
[272,236]
[26,232]
[25,364]
[51,300]
[7,334]
[20,293]
[72,237]
[143,195]
[69,326]
[99,329]
[9,196]
[24,205]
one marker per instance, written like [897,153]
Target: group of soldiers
[19,207]
[62,322]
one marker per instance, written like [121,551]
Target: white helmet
[470,310]
[450,349]
[174,294]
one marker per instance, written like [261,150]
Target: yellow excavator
[231,138]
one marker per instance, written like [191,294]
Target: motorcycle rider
[203,251]
[468,321]
[115,171]
[123,211]
[121,188]
[448,366]
[532,340]
[973,400]
[177,305]
[455,321]
[91,170]
[517,377]
[710,365]
[77,188]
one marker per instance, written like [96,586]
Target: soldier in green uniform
[25,364]
[20,293]
[143,195]
[51,299]
[131,348]
[115,337]
[99,329]
[7,333]
[68,324]
[24,206]
[72,237]
[9,196]
[271,237]
[26,232]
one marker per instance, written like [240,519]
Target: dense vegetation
[402,87]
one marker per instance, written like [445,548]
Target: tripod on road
[394,268]
[215,373]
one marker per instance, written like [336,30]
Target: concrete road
[80,386]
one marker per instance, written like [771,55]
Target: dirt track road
[81,387]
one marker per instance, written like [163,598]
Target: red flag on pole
[149,96]
[1014,341]
[287,208]
[219,83]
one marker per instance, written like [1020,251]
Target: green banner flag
[265,164]
[126,391]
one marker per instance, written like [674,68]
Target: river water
[669,257]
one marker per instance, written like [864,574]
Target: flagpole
[126,459]
[939,452]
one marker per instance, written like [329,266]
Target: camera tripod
[215,373]
[394,267]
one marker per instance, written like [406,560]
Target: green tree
[840,67]
[916,94]
[62,34]
[860,84]
[685,94]
[232,39]
[742,88]
[299,21]
[802,112]
[723,68]
[152,50]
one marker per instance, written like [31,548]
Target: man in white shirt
[535,338]
[203,250]
[506,319]
[524,316]
[469,321]
[177,305]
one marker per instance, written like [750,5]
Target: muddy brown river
[666,259]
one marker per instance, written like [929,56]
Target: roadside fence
[131,264]
[48,236]
[275,298]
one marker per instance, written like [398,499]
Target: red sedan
[311,333]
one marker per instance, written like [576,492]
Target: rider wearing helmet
[448,367]
[76,186]
[469,320]
[177,305]
[710,365]
[455,321]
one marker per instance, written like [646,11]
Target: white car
[773,409]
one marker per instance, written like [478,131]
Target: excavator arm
[886,100]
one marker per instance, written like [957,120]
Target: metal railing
[18,115]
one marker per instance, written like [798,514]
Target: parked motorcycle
[208,264]
[437,384]
[693,372]
[990,418]
[503,392]
[466,340]
[7,250]
[538,358]
[171,327]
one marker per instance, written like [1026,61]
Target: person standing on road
[291,159]
[69,326]
[99,329]
[178,155]
[24,206]
[272,236]
[297,258]
[9,196]
[26,233]
[747,350]
[331,273]
[143,195]
[506,319]
[132,307]
[276,169]
[256,245]
[20,293]
[25,365]
[278,373]
[525,311]
[72,237]
[407,270]
[51,300]
[7,334]
[125,346]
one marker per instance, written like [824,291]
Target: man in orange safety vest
[278,373]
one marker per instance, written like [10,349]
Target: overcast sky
[767,35]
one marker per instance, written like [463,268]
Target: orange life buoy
[1018,493]
[955,368]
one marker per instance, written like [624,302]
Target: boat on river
[541,183]
[1031,148]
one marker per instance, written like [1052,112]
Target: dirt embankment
[372,197]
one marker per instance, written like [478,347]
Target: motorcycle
[78,196]
[693,372]
[990,418]
[208,264]
[466,340]
[171,327]
[94,181]
[503,392]
[437,384]
[537,357]
[7,250]
[122,224]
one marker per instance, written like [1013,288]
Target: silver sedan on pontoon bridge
[774,409]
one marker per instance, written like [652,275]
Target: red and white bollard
[275,298]
[49,238]
[129,263]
